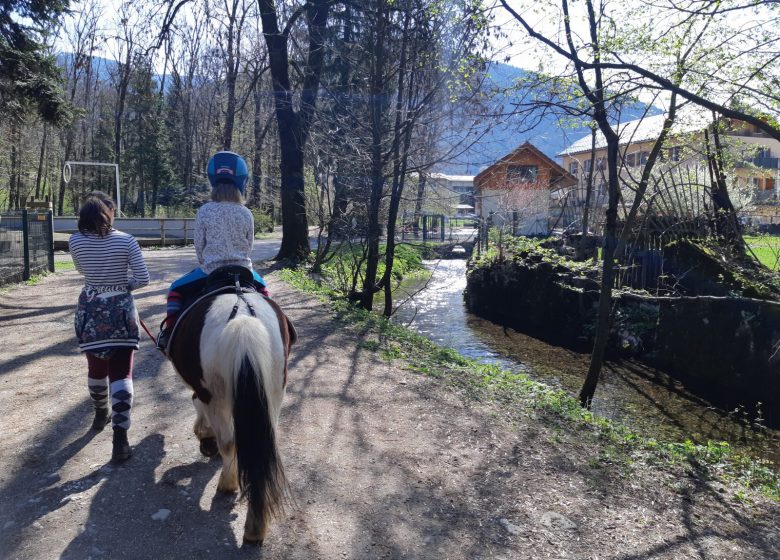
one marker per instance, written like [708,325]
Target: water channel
[648,400]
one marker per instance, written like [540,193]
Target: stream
[649,401]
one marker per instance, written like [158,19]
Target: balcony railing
[762,162]
[767,162]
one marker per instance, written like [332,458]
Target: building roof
[454,178]
[642,130]
[538,153]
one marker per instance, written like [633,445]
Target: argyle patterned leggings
[114,374]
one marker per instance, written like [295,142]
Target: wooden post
[185,231]
[162,232]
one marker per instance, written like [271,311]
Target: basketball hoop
[66,172]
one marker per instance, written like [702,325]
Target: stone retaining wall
[724,348]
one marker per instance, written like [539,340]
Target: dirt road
[383,463]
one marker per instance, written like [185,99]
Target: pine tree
[29,78]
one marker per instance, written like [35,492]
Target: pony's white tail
[247,345]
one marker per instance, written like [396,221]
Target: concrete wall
[532,207]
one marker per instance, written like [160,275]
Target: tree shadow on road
[120,506]
[133,516]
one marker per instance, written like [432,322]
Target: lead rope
[148,332]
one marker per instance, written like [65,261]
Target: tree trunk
[13,196]
[39,175]
[608,271]
[589,186]
[124,82]
[418,202]
[376,102]
[294,126]
[727,226]
[231,74]
[402,135]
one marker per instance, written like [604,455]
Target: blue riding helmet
[228,167]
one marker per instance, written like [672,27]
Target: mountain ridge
[497,139]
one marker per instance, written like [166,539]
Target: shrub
[263,222]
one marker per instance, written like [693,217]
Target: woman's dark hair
[95,214]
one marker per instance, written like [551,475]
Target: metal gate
[26,244]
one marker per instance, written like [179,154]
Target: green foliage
[338,272]
[264,223]
[35,279]
[29,78]
[532,250]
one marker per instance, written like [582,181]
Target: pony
[231,347]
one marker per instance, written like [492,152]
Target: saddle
[238,277]
[225,280]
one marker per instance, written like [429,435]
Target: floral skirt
[106,321]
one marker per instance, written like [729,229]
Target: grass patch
[766,248]
[520,396]
[64,266]
[36,278]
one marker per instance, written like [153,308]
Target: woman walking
[106,319]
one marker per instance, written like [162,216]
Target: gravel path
[383,463]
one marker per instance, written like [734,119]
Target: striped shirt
[105,261]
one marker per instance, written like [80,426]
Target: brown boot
[121,451]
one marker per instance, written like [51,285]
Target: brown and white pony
[232,349]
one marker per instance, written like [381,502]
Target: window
[769,184]
[574,167]
[586,165]
[757,183]
[674,153]
[630,160]
[522,173]
[643,157]
[601,164]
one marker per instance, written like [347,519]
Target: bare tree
[293,125]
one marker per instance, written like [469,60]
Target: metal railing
[165,229]
[762,162]
[26,244]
